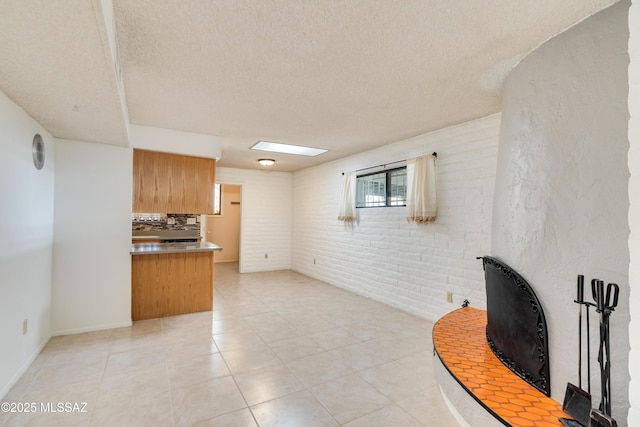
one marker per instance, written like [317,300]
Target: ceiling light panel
[298,150]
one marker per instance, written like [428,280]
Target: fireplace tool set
[577,401]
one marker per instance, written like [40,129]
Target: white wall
[634,212]
[175,141]
[561,198]
[92,235]
[383,256]
[26,239]
[266,212]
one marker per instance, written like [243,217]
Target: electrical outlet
[314,261]
[266,255]
[191,220]
[449,296]
[25,327]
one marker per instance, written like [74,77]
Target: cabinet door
[162,188]
[151,181]
[203,179]
[171,183]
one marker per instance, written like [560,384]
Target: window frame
[388,174]
[217,199]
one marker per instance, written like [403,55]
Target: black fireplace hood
[516,326]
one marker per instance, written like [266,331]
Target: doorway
[224,229]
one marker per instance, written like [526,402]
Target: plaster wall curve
[561,202]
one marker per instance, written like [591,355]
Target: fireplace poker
[577,402]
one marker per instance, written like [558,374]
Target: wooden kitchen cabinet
[172,183]
[171,284]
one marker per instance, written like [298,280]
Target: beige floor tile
[206,400]
[295,410]
[229,325]
[189,321]
[250,358]
[350,397]
[360,356]
[333,338]
[85,353]
[386,417]
[47,419]
[124,342]
[85,393]
[197,369]
[140,327]
[395,381]
[237,339]
[16,392]
[271,333]
[293,349]
[149,410]
[422,361]
[180,352]
[393,347]
[318,368]
[134,360]
[126,386]
[75,371]
[244,309]
[185,337]
[241,418]
[365,331]
[267,384]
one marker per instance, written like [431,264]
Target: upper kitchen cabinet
[171,183]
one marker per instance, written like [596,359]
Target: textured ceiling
[56,63]
[345,76]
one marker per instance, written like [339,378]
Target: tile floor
[279,349]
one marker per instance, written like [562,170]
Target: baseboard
[92,329]
[23,368]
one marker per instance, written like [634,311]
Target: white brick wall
[383,256]
[266,213]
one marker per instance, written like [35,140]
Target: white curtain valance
[348,198]
[421,189]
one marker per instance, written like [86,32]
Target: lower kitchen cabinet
[171,284]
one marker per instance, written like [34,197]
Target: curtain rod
[434,154]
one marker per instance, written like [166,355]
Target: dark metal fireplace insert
[516,327]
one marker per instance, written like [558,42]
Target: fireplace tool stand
[577,402]
[605,305]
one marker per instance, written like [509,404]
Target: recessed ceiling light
[276,147]
[266,162]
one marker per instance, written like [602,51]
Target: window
[386,188]
[217,200]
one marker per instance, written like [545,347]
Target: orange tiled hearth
[460,341]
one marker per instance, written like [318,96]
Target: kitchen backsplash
[156,221]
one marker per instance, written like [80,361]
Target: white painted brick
[266,211]
[383,256]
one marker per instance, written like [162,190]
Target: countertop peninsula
[172,248]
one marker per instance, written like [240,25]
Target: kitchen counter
[171,279]
[172,248]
